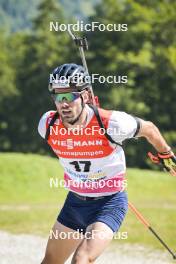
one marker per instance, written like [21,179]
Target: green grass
[29,205]
[154,195]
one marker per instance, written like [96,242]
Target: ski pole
[83,44]
[146,224]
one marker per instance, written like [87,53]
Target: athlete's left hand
[167,159]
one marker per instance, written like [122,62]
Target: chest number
[78,167]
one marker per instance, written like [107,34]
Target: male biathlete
[87,141]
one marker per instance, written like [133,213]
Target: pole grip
[81,42]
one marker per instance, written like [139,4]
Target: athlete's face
[69,110]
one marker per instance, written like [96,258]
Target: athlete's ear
[85,96]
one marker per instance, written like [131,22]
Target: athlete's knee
[82,256]
[50,259]
[47,260]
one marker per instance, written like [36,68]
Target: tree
[38,52]
[146,54]
[7,88]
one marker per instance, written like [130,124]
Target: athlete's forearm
[153,136]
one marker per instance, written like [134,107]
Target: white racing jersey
[93,166]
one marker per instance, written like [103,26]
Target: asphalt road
[28,249]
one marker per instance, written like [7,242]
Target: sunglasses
[69,97]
